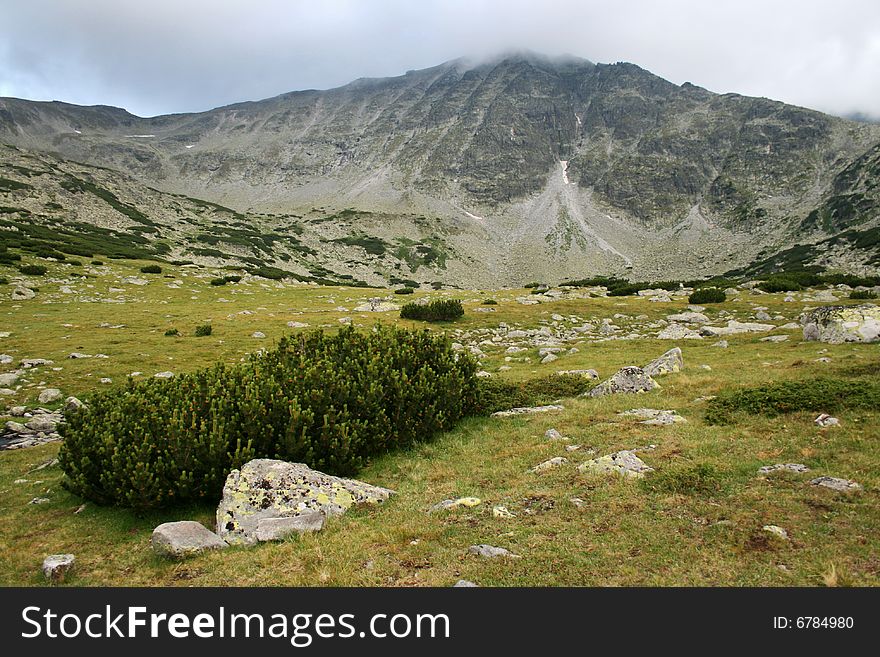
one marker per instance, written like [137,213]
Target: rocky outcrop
[264,490]
[628,380]
[839,324]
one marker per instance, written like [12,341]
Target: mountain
[516,169]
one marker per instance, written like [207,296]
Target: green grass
[695,521]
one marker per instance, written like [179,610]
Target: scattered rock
[297,325]
[72,404]
[184,538]
[527,410]
[775,338]
[587,374]
[490,551]
[49,395]
[549,464]
[553,434]
[163,375]
[56,567]
[653,416]
[835,483]
[464,584]
[825,420]
[501,512]
[839,324]
[267,488]
[778,467]
[376,305]
[8,380]
[678,332]
[777,531]
[258,334]
[624,462]
[277,529]
[23,294]
[668,363]
[448,505]
[549,358]
[628,380]
[722,344]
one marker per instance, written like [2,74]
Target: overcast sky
[162,56]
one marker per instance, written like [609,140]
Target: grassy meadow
[696,521]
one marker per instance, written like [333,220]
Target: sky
[164,56]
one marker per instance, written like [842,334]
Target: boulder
[835,483]
[678,332]
[57,566]
[653,416]
[624,462]
[668,363]
[839,324]
[550,464]
[185,538]
[23,294]
[628,380]
[277,529]
[268,488]
[783,467]
[376,305]
[8,380]
[689,317]
[49,395]
[587,374]
[733,327]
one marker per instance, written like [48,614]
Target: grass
[695,521]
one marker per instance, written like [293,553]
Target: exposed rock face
[627,380]
[185,538]
[839,324]
[624,462]
[668,363]
[270,489]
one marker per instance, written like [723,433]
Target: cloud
[172,56]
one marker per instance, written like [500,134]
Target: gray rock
[653,416]
[549,358]
[779,467]
[628,380]
[23,294]
[527,410]
[668,363]
[8,380]
[258,334]
[689,317]
[184,538]
[678,332]
[776,531]
[839,324]
[56,567]
[72,404]
[464,584]
[163,375]
[825,420]
[277,529]
[835,483]
[267,488]
[44,423]
[49,395]
[550,464]
[775,338]
[587,374]
[553,434]
[490,551]
[624,462]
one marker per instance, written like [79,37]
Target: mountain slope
[543,168]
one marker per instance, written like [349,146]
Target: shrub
[707,295]
[490,302]
[33,270]
[203,330]
[271,273]
[219,281]
[74,263]
[498,395]
[331,401]
[442,310]
[817,395]
[4,280]
[404,290]
[151,269]
[171,332]
[98,263]
[862,294]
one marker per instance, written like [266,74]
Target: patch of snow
[190,145]
[79,132]
[564,164]
[578,119]
[140,136]
[473,216]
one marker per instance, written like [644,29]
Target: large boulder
[839,324]
[185,538]
[266,489]
[628,380]
[668,363]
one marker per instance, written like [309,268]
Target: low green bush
[862,294]
[151,269]
[442,310]
[98,263]
[204,330]
[822,395]
[171,332]
[331,401]
[33,270]
[490,302]
[707,295]
[499,395]
[404,290]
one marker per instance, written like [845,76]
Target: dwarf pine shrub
[330,401]
[204,330]
[442,310]
[707,295]
[151,269]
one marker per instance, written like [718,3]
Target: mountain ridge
[567,167]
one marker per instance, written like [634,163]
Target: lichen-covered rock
[668,363]
[653,416]
[624,462]
[835,483]
[783,467]
[185,538]
[734,327]
[268,488]
[839,324]
[550,464]
[49,395]
[678,332]
[277,529]
[628,380]
[57,566]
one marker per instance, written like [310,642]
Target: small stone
[624,462]
[722,344]
[835,483]
[57,566]
[8,380]
[490,551]
[550,464]
[825,420]
[184,538]
[578,502]
[501,512]
[464,584]
[549,358]
[527,410]
[448,505]
[72,404]
[553,434]
[789,467]
[587,374]
[258,334]
[50,395]
[39,500]
[779,532]
[163,375]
